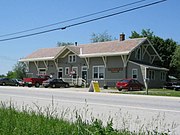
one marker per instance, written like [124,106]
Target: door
[84,72]
[75,72]
[60,72]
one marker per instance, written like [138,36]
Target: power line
[76,18]
[83,22]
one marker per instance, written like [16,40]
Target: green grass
[153,92]
[13,122]
[26,121]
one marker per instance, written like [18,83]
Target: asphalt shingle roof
[111,47]
[45,52]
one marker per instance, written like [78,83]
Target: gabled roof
[109,48]
[43,54]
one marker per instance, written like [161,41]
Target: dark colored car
[7,81]
[172,85]
[20,82]
[129,84]
[54,83]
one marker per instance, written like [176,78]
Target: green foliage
[165,49]
[11,74]
[1,76]
[20,70]
[144,33]
[175,63]
[101,37]
[64,43]
[13,122]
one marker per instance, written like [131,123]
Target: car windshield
[49,80]
[124,81]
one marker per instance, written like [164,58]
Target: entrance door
[84,72]
[60,72]
[75,72]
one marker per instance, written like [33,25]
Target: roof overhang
[37,59]
[150,67]
[103,54]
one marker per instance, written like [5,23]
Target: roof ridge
[113,41]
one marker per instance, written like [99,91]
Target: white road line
[99,104]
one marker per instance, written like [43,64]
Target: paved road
[128,111]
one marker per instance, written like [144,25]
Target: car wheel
[130,88]
[53,86]
[120,89]
[37,85]
[29,85]
[66,85]
[3,83]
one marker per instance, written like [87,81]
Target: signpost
[94,86]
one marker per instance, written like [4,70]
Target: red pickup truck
[35,81]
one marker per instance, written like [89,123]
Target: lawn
[153,92]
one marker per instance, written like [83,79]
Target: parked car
[20,82]
[35,81]
[172,85]
[129,84]
[54,83]
[7,81]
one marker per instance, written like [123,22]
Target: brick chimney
[75,43]
[122,37]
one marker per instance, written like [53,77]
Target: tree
[144,33]
[101,37]
[20,70]
[1,76]
[175,63]
[64,43]
[11,74]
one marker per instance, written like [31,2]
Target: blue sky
[17,15]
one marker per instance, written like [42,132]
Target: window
[151,74]
[134,73]
[138,54]
[163,76]
[72,58]
[98,72]
[42,71]
[67,71]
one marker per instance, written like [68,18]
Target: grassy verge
[154,92]
[13,122]
[25,121]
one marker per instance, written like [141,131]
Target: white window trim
[134,69]
[42,69]
[76,68]
[83,67]
[151,77]
[58,71]
[98,73]
[68,70]
[72,55]
[163,76]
